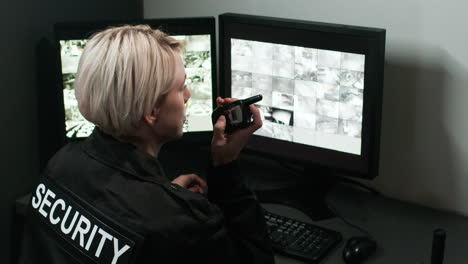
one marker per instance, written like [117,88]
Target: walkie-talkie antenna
[253,99]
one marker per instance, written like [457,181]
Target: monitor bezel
[363,40]
[171,26]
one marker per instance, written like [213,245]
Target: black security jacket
[125,192]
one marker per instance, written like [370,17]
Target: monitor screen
[75,124]
[321,85]
[197,60]
[310,96]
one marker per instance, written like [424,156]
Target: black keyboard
[300,240]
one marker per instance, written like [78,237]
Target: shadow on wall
[416,151]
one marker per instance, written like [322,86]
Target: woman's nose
[187,95]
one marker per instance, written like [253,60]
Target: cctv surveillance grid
[310,96]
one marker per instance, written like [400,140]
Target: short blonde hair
[122,74]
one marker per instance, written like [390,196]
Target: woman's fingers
[218,131]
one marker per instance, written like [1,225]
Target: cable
[330,206]
[359,184]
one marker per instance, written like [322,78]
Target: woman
[107,199]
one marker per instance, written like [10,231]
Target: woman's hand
[191,182]
[226,147]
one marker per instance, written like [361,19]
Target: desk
[403,231]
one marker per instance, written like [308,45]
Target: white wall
[424,144]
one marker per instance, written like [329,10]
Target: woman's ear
[152,118]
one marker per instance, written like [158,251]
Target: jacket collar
[124,156]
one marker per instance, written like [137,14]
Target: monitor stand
[307,194]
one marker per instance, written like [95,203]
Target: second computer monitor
[199,59]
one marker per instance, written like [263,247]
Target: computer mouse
[358,249]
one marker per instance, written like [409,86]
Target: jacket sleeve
[244,232]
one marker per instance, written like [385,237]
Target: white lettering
[91,237]
[37,201]
[53,220]
[105,236]
[45,198]
[67,230]
[117,252]
[46,202]
[82,230]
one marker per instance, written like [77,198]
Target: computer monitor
[321,85]
[200,64]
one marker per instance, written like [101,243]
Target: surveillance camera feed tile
[197,59]
[310,96]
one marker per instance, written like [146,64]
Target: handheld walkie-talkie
[237,113]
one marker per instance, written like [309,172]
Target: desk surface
[403,231]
